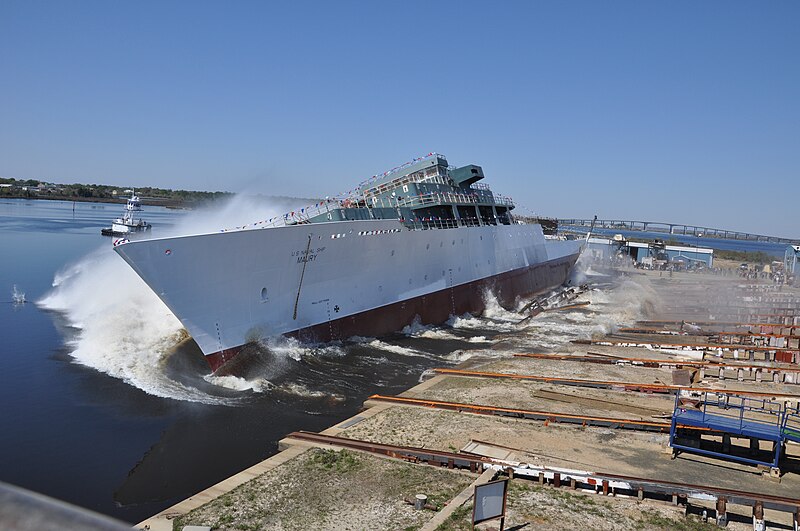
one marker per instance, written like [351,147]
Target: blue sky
[668,111]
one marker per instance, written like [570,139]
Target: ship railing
[431,223]
[447,223]
[416,177]
[480,186]
[436,198]
[301,215]
[503,200]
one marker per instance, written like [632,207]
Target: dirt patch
[326,489]
[532,506]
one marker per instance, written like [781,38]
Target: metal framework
[597,481]
[600,384]
[735,416]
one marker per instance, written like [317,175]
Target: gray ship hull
[328,281]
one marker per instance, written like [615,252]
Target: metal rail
[658,331]
[693,346]
[545,416]
[719,323]
[672,229]
[600,384]
[586,479]
[655,363]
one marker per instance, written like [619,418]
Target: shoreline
[167,203]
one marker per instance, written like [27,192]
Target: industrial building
[651,254]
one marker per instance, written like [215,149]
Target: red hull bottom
[433,308]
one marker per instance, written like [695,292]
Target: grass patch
[460,520]
[321,489]
[651,519]
[342,462]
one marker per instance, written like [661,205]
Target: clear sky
[667,111]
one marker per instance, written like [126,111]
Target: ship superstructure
[423,241]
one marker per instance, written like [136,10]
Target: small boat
[128,223]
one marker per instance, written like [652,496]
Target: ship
[419,243]
[128,223]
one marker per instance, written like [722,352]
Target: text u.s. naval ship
[422,241]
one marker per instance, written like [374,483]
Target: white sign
[490,501]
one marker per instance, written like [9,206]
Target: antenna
[589,234]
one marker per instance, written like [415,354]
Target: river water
[107,405]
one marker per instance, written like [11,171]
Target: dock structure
[671,408]
[672,228]
[734,416]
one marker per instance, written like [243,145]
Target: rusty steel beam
[658,331]
[655,363]
[716,323]
[544,416]
[695,346]
[586,479]
[600,384]
[567,307]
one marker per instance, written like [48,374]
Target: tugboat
[128,223]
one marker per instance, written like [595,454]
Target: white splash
[493,310]
[290,348]
[235,383]
[122,328]
[303,391]
[17,297]
[415,328]
[397,349]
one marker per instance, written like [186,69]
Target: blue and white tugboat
[129,223]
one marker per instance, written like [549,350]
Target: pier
[672,228]
[669,414]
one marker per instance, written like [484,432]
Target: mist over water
[102,363]
[119,327]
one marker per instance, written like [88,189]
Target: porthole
[264,295]
[427,246]
[392,252]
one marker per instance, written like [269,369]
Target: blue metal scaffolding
[734,416]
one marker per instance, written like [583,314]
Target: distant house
[6,185]
[646,253]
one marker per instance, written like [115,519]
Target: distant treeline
[749,257]
[34,189]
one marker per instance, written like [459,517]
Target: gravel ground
[323,489]
[532,507]
[346,490]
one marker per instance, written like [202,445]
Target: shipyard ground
[317,485]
